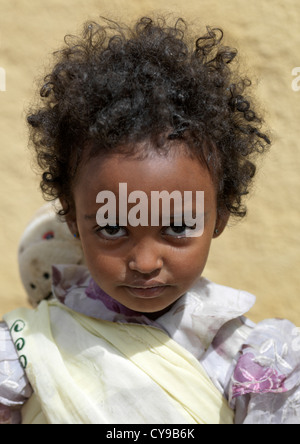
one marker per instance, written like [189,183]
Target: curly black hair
[116,85]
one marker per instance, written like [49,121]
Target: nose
[146,257]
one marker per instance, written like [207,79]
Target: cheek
[187,268]
[189,264]
[102,266]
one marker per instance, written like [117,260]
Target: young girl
[139,335]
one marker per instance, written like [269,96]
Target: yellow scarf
[88,371]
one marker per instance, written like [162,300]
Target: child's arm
[14,386]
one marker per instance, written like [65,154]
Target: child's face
[145,268]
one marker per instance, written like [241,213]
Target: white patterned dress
[256,367]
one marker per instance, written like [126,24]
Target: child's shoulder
[265,383]
[255,366]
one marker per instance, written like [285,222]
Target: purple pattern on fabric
[9,416]
[96,293]
[250,377]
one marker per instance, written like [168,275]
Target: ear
[221,223]
[70,217]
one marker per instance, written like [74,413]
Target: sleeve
[265,384]
[14,386]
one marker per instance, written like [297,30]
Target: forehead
[153,172]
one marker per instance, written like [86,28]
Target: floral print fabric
[251,377]
[265,384]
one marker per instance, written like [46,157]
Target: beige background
[260,254]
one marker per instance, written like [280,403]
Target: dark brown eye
[178,229]
[112,232]
[46,275]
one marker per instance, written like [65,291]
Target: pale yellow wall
[261,254]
